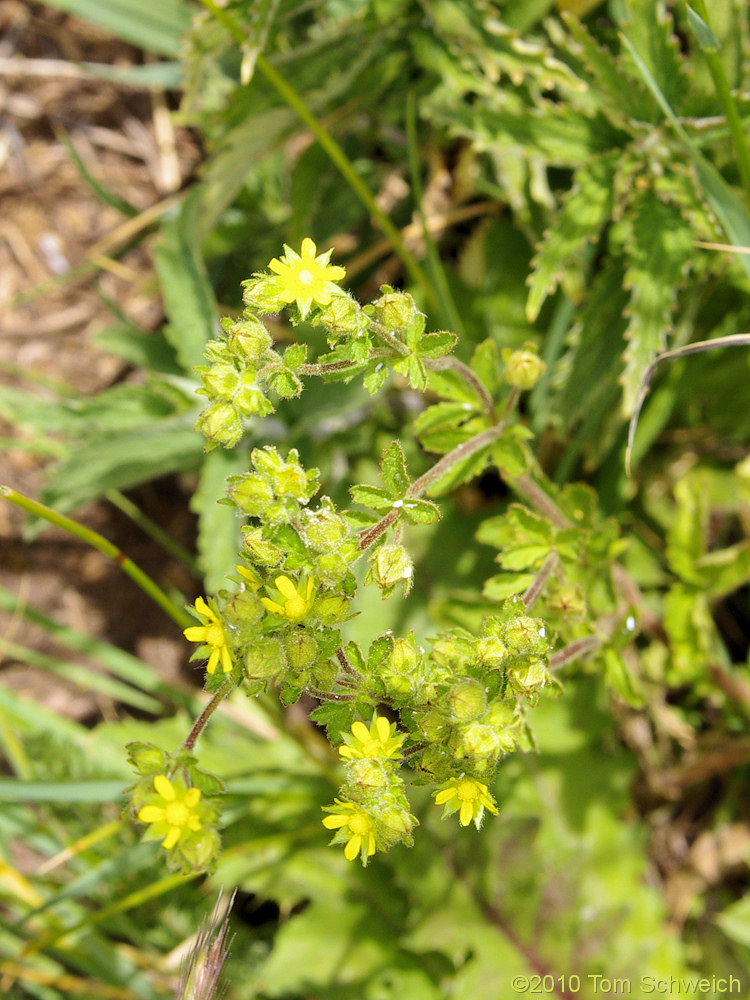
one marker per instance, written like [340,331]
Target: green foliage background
[552,175]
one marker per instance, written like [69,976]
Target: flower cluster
[452,712]
[176,801]
[372,812]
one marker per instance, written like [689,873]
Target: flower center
[176,814]
[214,634]
[467,791]
[306,277]
[360,824]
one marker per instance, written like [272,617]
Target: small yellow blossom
[380,741]
[297,601]
[212,635]
[305,278]
[360,828]
[468,795]
[176,815]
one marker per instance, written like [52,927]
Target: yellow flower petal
[202,608]
[272,606]
[467,813]
[192,797]
[445,795]
[285,587]
[171,838]
[196,633]
[352,848]
[226,660]
[383,728]
[213,660]
[151,814]
[334,822]
[165,788]
[309,249]
[360,732]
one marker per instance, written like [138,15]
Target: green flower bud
[395,310]
[523,368]
[343,317]
[301,649]
[250,492]
[467,700]
[249,398]
[476,740]
[569,602]
[528,676]
[266,658]
[258,549]
[330,569]
[147,758]
[526,635]
[432,725]
[289,480]
[391,565]
[241,612]
[396,824]
[200,850]
[281,511]
[220,380]
[500,717]
[220,424]
[403,656]
[248,339]
[365,775]
[324,529]
[261,294]
[492,651]
[331,610]
[266,460]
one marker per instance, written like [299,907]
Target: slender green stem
[153,530]
[334,151]
[459,453]
[207,712]
[97,541]
[721,83]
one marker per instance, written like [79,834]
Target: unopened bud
[220,424]
[267,658]
[523,368]
[391,565]
[251,492]
[467,700]
[248,338]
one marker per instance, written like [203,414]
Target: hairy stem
[103,545]
[537,585]
[207,712]
[459,453]
[581,647]
[451,363]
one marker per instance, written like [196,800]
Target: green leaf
[451,386]
[498,588]
[154,25]
[420,512]
[219,534]
[706,39]
[371,496]
[509,457]
[660,249]
[435,345]
[393,470]
[375,379]
[188,296]
[462,472]
[440,428]
[118,461]
[60,791]
[485,363]
[734,920]
[650,29]
[585,210]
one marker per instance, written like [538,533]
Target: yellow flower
[176,815]
[468,795]
[297,602]
[212,635]
[380,741]
[305,278]
[360,826]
